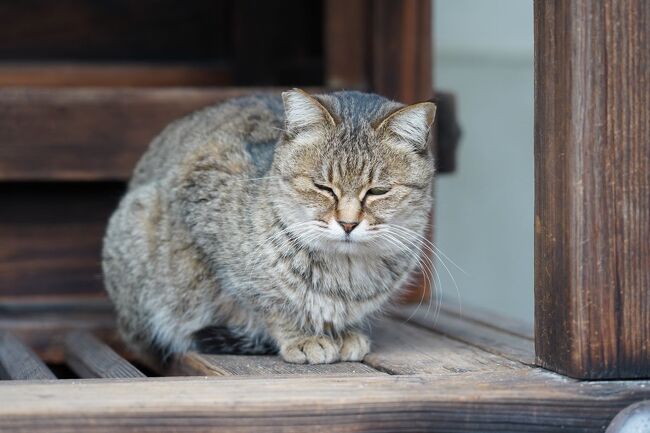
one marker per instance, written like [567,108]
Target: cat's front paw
[354,346]
[311,350]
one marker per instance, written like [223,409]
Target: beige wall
[484,211]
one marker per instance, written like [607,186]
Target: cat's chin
[345,246]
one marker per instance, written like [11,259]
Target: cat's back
[250,124]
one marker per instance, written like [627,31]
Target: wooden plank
[401,49]
[156,30]
[277,43]
[347,54]
[51,236]
[592,188]
[236,365]
[19,362]
[42,324]
[527,400]
[57,74]
[88,357]
[89,134]
[491,339]
[400,348]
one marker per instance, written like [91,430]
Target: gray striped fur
[223,226]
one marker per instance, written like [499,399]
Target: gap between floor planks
[398,348]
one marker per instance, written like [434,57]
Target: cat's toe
[354,347]
[321,350]
[312,350]
[293,354]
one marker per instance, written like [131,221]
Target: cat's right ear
[304,112]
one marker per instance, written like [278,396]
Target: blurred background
[85,85]
[484,210]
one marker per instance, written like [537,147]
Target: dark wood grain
[89,357]
[518,401]
[239,365]
[592,169]
[401,49]
[119,30]
[278,43]
[69,74]
[89,134]
[51,237]
[401,348]
[19,362]
[347,44]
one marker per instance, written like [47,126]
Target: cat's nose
[348,227]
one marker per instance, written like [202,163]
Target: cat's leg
[299,347]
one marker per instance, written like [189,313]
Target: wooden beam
[19,362]
[240,365]
[89,357]
[57,74]
[516,401]
[592,187]
[90,134]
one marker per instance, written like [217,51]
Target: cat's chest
[340,292]
[354,278]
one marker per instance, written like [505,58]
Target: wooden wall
[85,85]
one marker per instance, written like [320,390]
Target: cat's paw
[354,346]
[311,350]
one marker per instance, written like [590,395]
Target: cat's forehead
[356,110]
[357,166]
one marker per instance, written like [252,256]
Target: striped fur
[229,227]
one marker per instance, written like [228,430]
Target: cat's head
[355,171]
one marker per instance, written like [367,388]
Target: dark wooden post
[592,177]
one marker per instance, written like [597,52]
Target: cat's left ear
[410,124]
[304,112]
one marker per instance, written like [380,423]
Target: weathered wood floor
[452,374]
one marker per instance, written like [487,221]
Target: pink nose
[348,227]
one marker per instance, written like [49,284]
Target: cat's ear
[303,112]
[410,124]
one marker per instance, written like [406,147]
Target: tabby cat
[271,224]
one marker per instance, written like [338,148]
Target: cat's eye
[327,189]
[377,190]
